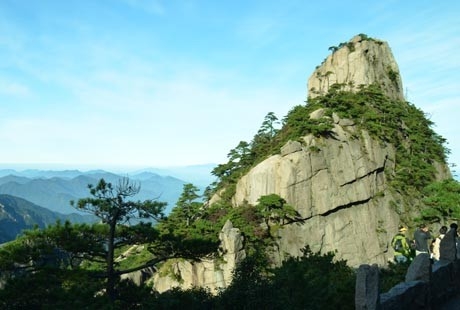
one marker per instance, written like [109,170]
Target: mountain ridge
[18,214]
[54,189]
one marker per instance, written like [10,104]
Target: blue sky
[172,83]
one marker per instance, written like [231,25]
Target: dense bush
[442,200]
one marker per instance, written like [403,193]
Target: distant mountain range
[199,175]
[55,189]
[17,214]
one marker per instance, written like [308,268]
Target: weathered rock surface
[338,187]
[419,269]
[213,274]
[367,290]
[361,61]
[139,277]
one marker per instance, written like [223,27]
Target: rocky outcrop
[427,286]
[361,61]
[213,274]
[139,277]
[338,185]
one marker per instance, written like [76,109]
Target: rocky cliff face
[338,186]
[361,61]
[337,183]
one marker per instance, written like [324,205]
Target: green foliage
[333,49]
[189,225]
[392,75]
[396,122]
[53,289]
[325,283]
[267,141]
[391,121]
[275,211]
[82,253]
[187,211]
[272,210]
[365,37]
[298,123]
[442,201]
[60,246]
[178,299]
[264,141]
[312,281]
[244,156]
[112,205]
[135,256]
[250,287]
[393,274]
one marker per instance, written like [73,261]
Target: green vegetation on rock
[399,123]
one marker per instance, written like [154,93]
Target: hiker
[437,242]
[448,245]
[421,237]
[400,246]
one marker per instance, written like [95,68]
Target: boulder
[419,269]
[367,293]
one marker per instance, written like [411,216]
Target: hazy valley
[40,197]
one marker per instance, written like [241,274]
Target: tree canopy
[442,200]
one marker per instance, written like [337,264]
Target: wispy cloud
[153,88]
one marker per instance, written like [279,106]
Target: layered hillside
[17,214]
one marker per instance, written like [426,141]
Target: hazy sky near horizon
[173,83]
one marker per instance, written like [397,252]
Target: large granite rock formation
[338,183]
[338,186]
[361,61]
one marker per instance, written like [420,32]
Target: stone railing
[426,285]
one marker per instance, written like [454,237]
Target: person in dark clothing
[421,237]
[448,245]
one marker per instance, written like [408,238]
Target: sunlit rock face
[338,184]
[339,188]
[361,61]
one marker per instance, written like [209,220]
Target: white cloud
[94,90]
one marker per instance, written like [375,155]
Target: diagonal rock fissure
[370,173]
[345,206]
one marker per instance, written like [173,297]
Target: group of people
[442,247]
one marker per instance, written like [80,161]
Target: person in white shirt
[437,242]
